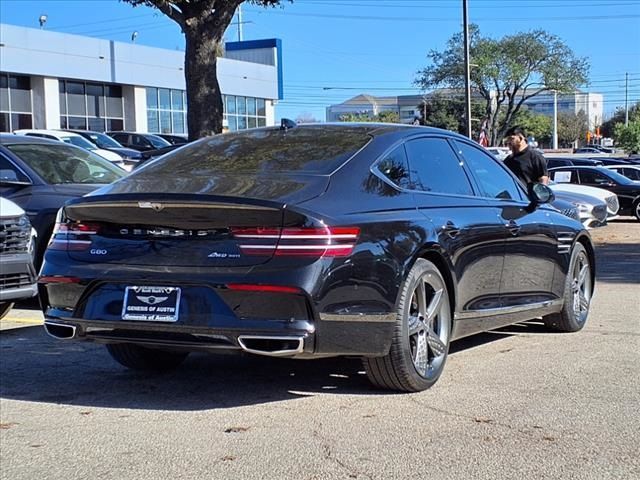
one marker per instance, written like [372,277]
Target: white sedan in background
[611,199]
[73,139]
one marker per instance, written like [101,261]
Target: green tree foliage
[447,112]
[572,127]
[386,116]
[607,128]
[628,137]
[506,72]
[203,23]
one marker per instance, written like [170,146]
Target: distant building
[56,80]
[407,106]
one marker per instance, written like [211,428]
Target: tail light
[308,242]
[72,235]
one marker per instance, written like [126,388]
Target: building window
[15,102]
[91,106]
[166,110]
[244,112]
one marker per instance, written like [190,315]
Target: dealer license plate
[151,304]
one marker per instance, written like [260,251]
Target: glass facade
[16,110]
[91,106]
[244,112]
[166,110]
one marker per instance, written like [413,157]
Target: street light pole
[467,79]
[555,119]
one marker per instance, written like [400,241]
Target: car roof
[53,133]
[11,139]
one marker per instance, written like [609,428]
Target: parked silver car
[17,244]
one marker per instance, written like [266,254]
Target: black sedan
[627,190]
[104,141]
[40,175]
[381,241]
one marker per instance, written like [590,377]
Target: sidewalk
[19,318]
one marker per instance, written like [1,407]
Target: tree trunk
[204,99]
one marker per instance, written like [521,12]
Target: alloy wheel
[429,324]
[581,288]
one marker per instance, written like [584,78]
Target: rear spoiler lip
[163,200]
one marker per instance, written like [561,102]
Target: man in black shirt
[527,164]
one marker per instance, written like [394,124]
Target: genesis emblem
[152,205]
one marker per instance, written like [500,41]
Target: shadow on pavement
[37,368]
[618,263]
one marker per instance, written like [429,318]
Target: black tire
[578,290]
[420,343]
[5,308]
[636,209]
[137,357]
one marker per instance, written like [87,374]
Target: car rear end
[241,266]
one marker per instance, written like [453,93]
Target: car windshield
[104,141]
[312,150]
[79,141]
[58,164]
[157,142]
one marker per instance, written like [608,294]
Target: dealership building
[56,80]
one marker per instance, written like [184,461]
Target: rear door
[531,251]
[467,226]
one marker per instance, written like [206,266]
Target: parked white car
[611,199]
[74,139]
[17,245]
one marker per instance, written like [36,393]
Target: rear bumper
[369,336]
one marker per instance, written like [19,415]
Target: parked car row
[125,149]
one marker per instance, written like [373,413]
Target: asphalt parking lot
[516,403]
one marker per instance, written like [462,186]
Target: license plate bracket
[151,303]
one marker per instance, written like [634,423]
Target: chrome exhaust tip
[271,346]
[60,331]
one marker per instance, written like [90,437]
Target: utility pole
[626,99]
[555,119]
[239,23]
[467,79]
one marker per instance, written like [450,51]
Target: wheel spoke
[584,303]
[582,276]
[415,325]
[421,292]
[435,305]
[421,360]
[436,345]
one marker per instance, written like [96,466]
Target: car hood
[575,197]
[600,193]
[9,209]
[286,189]
[126,152]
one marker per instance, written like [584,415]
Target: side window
[493,179]
[394,166]
[121,137]
[593,178]
[10,173]
[435,168]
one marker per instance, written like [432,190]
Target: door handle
[450,229]
[513,227]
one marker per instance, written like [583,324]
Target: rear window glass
[305,150]
[58,164]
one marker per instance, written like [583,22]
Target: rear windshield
[308,150]
[58,164]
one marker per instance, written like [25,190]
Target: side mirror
[541,193]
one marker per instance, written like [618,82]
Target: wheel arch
[586,242]
[437,255]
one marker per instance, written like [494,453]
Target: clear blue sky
[336,49]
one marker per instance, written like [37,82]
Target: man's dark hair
[517,130]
